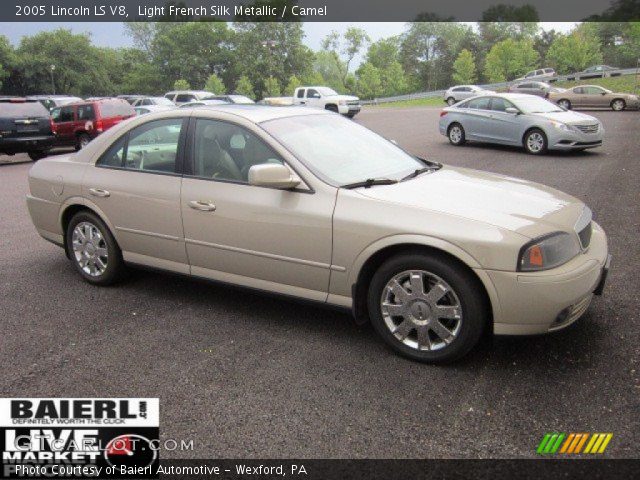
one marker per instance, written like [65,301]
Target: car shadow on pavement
[520,151]
[572,348]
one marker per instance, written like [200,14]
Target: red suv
[78,123]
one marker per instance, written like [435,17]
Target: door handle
[98,192]
[302,103]
[202,206]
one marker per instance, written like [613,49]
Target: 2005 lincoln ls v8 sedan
[520,120]
[305,203]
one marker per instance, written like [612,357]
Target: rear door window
[480,103]
[86,112]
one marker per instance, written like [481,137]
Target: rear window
[31,109]
[182,98]
[116,109]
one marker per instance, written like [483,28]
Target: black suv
[25,126]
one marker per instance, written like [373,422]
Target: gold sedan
[305,203]
[594,96]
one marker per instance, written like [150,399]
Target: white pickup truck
[328,99]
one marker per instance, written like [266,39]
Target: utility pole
[52,68]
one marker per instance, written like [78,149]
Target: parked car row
[550,75]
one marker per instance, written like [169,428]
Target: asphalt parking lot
[249,376]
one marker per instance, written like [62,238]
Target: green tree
[328,69]
[510,58]
[344,49]
[393,80]
[191,50]
[383,53]
[369,83]
[181,84]
[464,68]
[294,82]
[574,52]
[137,74]
[271,87]
[215,85]
[244,87]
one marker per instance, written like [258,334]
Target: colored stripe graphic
[573,443]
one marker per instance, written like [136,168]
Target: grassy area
[624,84]
[418,102]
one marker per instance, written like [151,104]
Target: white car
[462,92]
[327,99]
[184,96]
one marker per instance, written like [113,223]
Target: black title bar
[318,10]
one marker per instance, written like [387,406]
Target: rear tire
[618,105]
[93,250]
[37,154]
[83,141]
[535,142]
[451,101]
[426,308]
[456,134]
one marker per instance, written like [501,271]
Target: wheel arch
[329,106]
[78,204]
[374,256]
[616,99]
[532,127]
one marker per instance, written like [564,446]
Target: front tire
[37,154]
[564,103]
[426,308]
[456,134]
[618,105]
[332,108]
[535,142]
[93,250]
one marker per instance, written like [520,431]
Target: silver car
[462,92]
[520,120]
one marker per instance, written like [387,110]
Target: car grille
[588,128]
[353,102]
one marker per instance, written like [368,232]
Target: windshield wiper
[419,171]
[370,182]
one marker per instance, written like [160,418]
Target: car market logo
[574,443]
[79,438]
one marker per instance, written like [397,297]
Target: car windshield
[339,150]
[536,105]
[163,101]
[326,91]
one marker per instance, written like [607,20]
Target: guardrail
[493,86]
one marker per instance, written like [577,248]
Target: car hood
[569,117]
[343,97]
[527,208]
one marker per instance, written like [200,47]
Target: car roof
[264,113]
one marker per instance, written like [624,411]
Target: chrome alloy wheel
[535,142]
[90,249]
[455,134]
[618,105]
[564,104]
[421,310]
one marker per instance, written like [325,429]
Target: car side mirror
[272,175]
[513,111]
[603,93]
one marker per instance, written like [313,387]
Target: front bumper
[574,139]
[539,302]
[349,109]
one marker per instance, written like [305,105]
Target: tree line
[270,59]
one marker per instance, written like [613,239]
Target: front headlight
[548,252]
[560,126]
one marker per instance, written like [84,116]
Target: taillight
[53,126]
[99,126]
[443,113]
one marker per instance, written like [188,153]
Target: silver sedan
[520,120]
